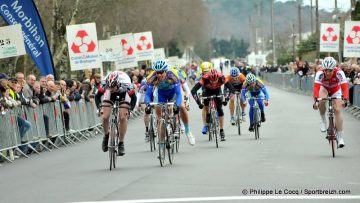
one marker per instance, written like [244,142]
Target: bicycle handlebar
[162,104]
[327,98]
[213,96]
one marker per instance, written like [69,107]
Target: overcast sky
[328,5]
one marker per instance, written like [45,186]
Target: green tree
[284,58]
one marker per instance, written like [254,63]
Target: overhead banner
[329,37]
[26,14]
[159,54]
[129,57]
[110,50]
[11,41]
[83,46]
[352,39]
[144,46]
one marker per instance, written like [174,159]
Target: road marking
[194,199]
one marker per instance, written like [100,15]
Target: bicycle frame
[331,130]
[214,124]
[256,116]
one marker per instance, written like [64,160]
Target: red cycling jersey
[332,85]
[205,81]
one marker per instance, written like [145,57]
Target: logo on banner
[144,44]
[354,36]
[83,43]
[329,35]
[127,49]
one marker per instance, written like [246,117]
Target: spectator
[50,77]
[52,91]
[4,80]
[28,88]
[20,79]
[66,103]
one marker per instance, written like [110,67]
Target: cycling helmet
[329,63]
[206,67]
[112,79]
[160,65]
[214,75]
[250,78]
[234,72]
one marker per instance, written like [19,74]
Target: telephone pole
[317,29]
[273,32]
[299,17]
[311,17]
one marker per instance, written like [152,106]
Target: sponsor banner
[129,56]
[144,46]
[83,46]
[159,54]
[110,50]
[11,41]
[24,12]
[352,39]
[329,37]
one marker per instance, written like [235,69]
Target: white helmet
[329,63]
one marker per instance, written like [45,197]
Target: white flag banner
[352,39]
[159,54]
[110,50]
[127,46]
[329,37]
[11,41]
[144,46]
[83,46]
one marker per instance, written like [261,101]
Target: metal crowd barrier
[295,83]
[47,127]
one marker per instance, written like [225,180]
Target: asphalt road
[291,157]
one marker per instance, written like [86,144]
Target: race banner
[352,39]
[26,14]
[129,57]
[83,46]
[159,54]
[329,37]
[144,46]
[110,50]
[11,41]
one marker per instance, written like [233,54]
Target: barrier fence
[304,85]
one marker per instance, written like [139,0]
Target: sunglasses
[159,72]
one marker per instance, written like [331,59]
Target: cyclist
[256,88]
[204,68]
[236,79]
[185,87]
[331,81]
[115,84]
[211,83]
[167,82]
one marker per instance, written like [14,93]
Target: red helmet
[214,74]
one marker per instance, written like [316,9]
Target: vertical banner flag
[11,41]
[83,46]
[352,39]
[110,50]
[129,57]
[144,46]
[159,54]
[26,14]
[329,37]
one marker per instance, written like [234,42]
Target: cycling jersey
[334,84]
[236,82]
[166,89]
[254,91]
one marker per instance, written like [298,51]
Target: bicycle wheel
[170,141]
[238,121]
[162,146]
[256,123]
[210,128]
[177,132]
[111,147]
[215,126]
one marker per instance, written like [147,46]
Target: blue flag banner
[24,12]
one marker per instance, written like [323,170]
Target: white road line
[194,199]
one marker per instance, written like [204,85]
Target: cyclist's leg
[232,106]
[337,104]
[251,114]
[220,112]
[206,115]
[162,97]
[106,108]
[261,106]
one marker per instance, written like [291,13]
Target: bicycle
[331,130]
[168,142]
[114,138]
[256,117]
[238,112]
[214,123]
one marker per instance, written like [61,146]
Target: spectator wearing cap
[4,80]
